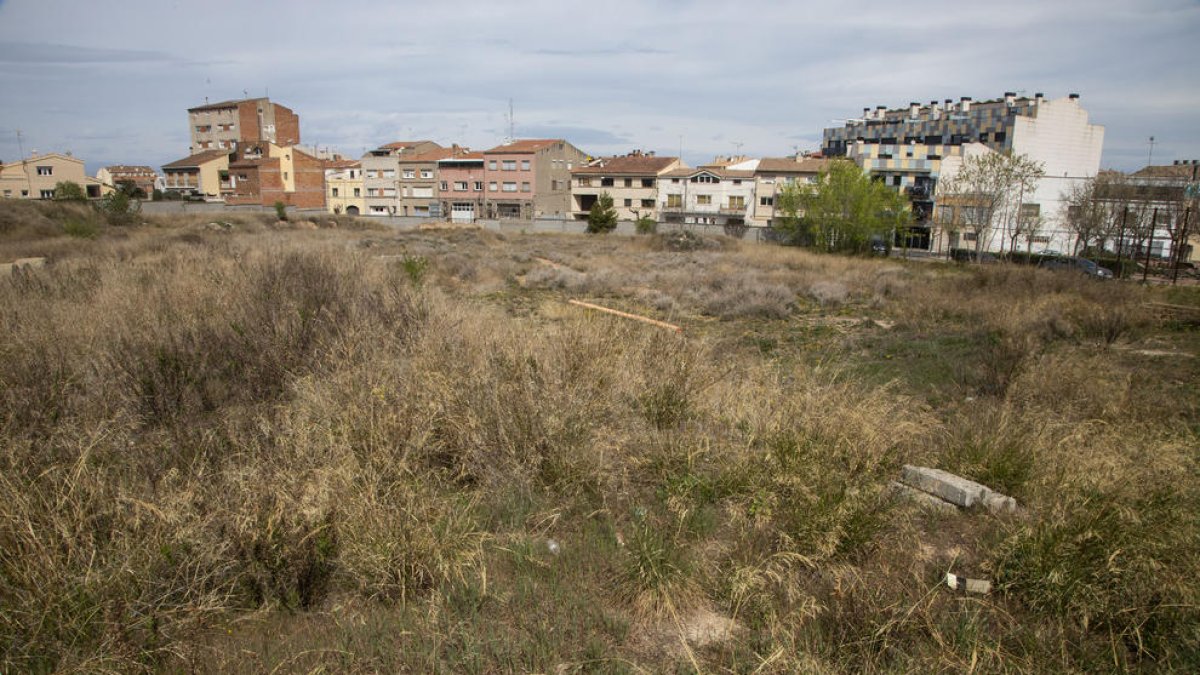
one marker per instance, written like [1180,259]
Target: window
[970,236]
[933,140]
[583,182]
[423,192]
[945,214]
[674,180]
[389,192]
[285,175]
[426,173]
[334,191]
[647,203]
[479,186]
[704,200]
[459,186]
[389,173]
[492,186]
[409,173]
[379,210]
[737,202]
[647,182]
[705,179]
[606,182]
[510,186]
[508,165]
[45,171]
[445,186]
[8,193]
[737,182]
[895,180]
[766,201]
[372,173]
[628,202]
[492,164]
[47,194]
[372,192]
[999,137]
[674,201]
[357,192]
[524,187]
[524,165]
[628,182]
[1030,213]
[972,215]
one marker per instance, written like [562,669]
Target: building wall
[552,178]
[418,194]
[768,186]
[214,120]
[462,172]
[345,182]
[635,193]
[21,180]
[718,193]
[287,125]
[375,183]
[496,176]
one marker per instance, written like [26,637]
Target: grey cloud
[31,52]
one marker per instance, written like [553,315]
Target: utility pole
[20,144]
[1149,241]
[1150,158]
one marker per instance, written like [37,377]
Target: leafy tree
[118,208]
[992,185]
[841,211]
[130,189]
[69,191]
[602,217]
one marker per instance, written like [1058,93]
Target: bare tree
[990,189]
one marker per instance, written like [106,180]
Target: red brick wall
[310,182]
[248,129]
[247,190]
[287,126]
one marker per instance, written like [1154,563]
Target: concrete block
[981,586]
[923,499]
[955,489]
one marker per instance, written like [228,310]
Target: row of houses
[249,151]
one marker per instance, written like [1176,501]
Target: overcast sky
[112,81]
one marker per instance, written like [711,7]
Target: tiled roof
[400,145]
[722,173]
[792,165]
[640,165]
[129,168]
[196,160]
[526,145]
[224,104]
[342,163]
[1185,171]
[429,156]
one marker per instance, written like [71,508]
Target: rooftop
[648,165]
[685,172]
[525,145]
[197,159]
[232,103]
[792,165]
[129,168]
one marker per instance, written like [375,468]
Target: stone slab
[955,489]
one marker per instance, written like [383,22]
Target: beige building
[222,126]
[631,181]
[199,174]
[344,187]
[773,174]
[35,178]
[381,175]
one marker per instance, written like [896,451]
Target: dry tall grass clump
[370,451]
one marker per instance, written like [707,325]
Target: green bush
[281,211]
[602,218]
[69,191]
[646,225]
[79,228]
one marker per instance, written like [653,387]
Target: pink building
[462,182]
[530,178]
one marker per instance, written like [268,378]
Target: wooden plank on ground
[627,315]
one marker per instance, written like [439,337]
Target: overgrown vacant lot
[281,450]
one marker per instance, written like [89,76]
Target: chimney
[964,104]
[914,109]
[866,113]
[1010,98]
[1038,98]
[880,111]
[935,110]
[1073,97]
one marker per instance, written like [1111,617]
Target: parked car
[1069,263]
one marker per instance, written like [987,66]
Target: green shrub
[80,228]
[646,225]
[69,191]
[281,211]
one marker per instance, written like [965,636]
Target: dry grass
[350,450]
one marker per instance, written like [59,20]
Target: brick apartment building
[217,126]
[530,178]
[265,173]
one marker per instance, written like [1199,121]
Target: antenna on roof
[245,93]
[1150,159]
[512,136]
[20,144]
